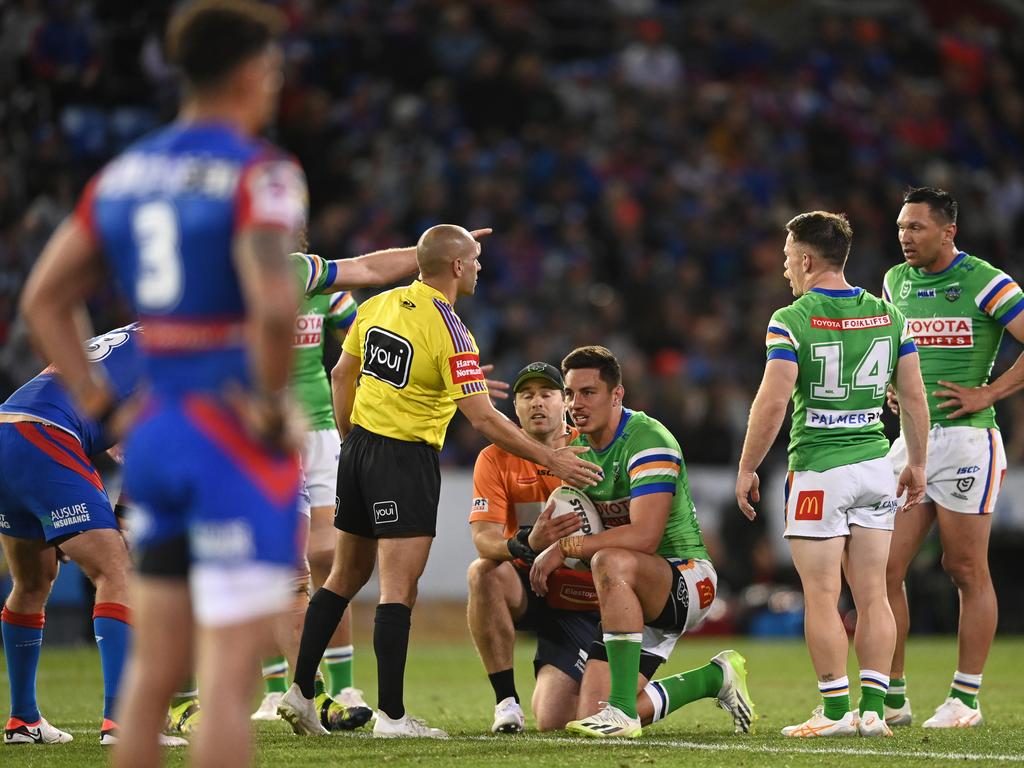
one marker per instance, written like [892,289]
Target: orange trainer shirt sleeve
[490,493]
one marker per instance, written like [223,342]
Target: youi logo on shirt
[387,357]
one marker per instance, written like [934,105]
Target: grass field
[446,685]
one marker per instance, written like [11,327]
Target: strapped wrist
[519,547]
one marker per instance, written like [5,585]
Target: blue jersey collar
[626,413]
[841,293]
[961,255]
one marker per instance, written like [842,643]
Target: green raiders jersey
[846,344]
[317,311]
[957,318]
[643,458]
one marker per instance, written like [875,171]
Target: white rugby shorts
[661,642]
[965,467]
[320,451]
[823,505]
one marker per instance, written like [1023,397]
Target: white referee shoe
[301,713]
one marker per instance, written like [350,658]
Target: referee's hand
[566,464]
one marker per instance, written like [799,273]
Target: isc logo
[809,505]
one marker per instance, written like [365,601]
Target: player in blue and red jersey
[196,223]
[52,495]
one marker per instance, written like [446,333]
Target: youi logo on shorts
[387,357]
[385,512]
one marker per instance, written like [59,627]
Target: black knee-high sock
[504,685]
[391,644]
[322,617]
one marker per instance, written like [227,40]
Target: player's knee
[320,561]
[613,564]
[965,572]
[481,575]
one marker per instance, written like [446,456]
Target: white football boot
[953,713]
[20,732]
[301,713]
[819,725]
[508,717]
[268,707]
[609,722]
[734,697]
[899,716]
[872,724]
[404,727]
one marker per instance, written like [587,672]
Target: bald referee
[407,363]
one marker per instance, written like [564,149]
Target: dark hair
[941,203]
[210,38]
[829,234]
[600,358]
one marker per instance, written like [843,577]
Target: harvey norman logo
[942,332]
[850,323]
[821,419]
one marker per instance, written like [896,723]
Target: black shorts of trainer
[672,616]
[563,637]
[387,488]
[167,559]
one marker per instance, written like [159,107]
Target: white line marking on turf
[759,748]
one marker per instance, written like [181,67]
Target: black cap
[539,370]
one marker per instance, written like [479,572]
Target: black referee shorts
[387,488]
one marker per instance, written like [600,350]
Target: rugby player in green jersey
[957,307]
[835,350]
[653,575]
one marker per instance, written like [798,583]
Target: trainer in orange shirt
[510,525]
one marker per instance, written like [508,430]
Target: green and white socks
[835,697]
[623,650]
[966,687]
[896,696]
[339,668]
[873,686]
[670,693]
[275,674]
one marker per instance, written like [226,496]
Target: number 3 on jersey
[872,373]
[159,281]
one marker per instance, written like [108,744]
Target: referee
[407,363]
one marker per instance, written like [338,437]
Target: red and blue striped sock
[23,641]
[113,635]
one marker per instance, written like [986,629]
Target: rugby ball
[572,501]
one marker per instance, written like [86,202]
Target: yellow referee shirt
[416,359]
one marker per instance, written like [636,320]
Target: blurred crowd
[637,159]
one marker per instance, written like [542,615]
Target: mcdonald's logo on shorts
[705,592]
[809,505]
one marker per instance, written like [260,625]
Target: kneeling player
[510,525]
[653,575]
[51,495]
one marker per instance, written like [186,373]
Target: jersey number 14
[873,372]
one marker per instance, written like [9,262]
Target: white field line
[738,746]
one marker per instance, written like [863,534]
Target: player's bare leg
[910,529]
[818,561]
[496,600]
[161,657]
[555,698]
[965,558]
[322,542]
[867,551]
[228,660]
[103,557]
[34,568]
